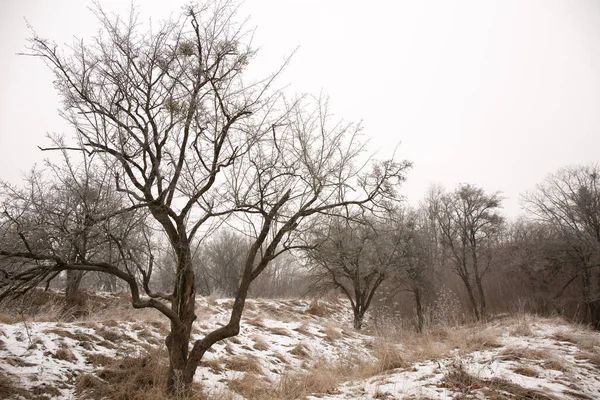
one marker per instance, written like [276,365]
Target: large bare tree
[169,113]
[468,222]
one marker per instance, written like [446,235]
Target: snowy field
[288,349]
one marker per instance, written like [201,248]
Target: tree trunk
[472,300]
[465,277]
[420,316]
[482,302]
[478,283]
[178,340]
[73,304]
[359,316]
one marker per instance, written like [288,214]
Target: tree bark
[73,306]
[419,306]
[178,340]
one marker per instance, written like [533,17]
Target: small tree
[413,258]
[170,117]
[353,257]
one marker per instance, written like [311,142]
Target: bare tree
[353,257]
[570,201]
[53,214]
[413,272]
[184,136]
[538,254]
[468,221]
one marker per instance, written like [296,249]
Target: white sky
[495,93]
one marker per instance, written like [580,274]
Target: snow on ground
[553,360]
[521,358]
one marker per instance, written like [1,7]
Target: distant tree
[538,254]
[468,222]
[414,256]
[353,257]
[54,213]
[569,200]
[169,115]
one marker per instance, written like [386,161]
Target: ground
[297,349]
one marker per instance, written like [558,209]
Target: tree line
[184,176]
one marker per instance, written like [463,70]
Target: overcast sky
[494,93]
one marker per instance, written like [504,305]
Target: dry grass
[389,357]
[64,354]
[332,332]
[10,387]
[521,328]
[257,320]
[464,383]
[478,338]
[279,356]
[251,386]
[303,329]
[316,309]
[320,377]
[213,364]
[243,363]
[99,359]
[280,331]
[586,340]
[16,361]
[300,350]
[8,318]
[592,358]
[526,371]
[75,335]
[519,353]
[259,343]
[129,378]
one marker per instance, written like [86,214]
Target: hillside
[296,349]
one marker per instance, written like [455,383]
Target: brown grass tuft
[522,328]
[243,363]
[8,318]
[303,329]
[64,354]
[280,331]
[300,350]
[129,378]
[251,387]
[259,343]
[332,333]
[316,309]
[526,371]
[389,357]
[460,381]
[592,358]
[586,340]
[75,335]
[99,359]
[10,387]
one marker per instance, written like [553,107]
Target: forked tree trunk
[178,340]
